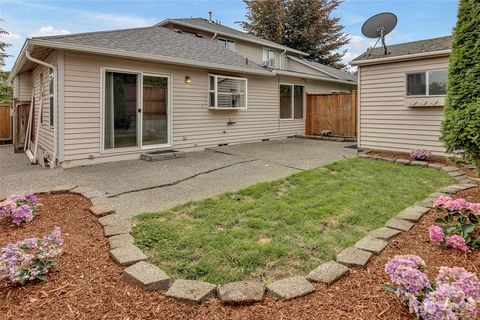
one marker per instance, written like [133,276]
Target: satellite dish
[379,26]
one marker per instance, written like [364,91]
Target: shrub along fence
[336,112]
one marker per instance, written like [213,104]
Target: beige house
[183,84]
[401,96]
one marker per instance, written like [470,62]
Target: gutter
[149,57]
[260,42]
[281,54]
[55,102]
[405,57]
[312,77]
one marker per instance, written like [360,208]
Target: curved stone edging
[151,278]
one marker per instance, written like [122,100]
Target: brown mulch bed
[433,159]
[87,285]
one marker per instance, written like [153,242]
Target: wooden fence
[5,123]
[336,112]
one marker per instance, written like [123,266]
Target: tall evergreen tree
[461,126]
[265,19]
[304,25]
[3,48]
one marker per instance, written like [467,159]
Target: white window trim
[427,77]
[228,41]
[215,91]
[293,101]
[139,147]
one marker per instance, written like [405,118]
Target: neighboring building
[401,96]
[183,84]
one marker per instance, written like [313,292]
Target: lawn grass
[285,227]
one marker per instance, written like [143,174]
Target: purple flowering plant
[454,294]
[31,258]
[421,155]
[20,208]
[459,227]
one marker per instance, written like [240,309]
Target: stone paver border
[149,277]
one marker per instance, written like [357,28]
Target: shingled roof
[335,73]
[224,30]
[156,41]
[403,49]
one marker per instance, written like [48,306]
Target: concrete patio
[133,187]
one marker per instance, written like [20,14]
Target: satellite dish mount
[379,26]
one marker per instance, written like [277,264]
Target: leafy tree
[461,126]
[6,89]
[266,19]
[305,25]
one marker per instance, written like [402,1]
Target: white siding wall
[46,140]
[386,120]
[194,125]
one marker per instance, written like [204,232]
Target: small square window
[416,84]
[437,82]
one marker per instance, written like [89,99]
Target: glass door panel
[155,110]
[121,110]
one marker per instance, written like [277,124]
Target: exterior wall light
[188,80]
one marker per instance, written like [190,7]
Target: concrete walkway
[133,187]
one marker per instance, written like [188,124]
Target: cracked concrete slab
[133,187]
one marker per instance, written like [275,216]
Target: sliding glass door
[121,104]
[155,110]
[136,112]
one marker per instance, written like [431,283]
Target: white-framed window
[226,43]
[270,58]
[42,121]
[50,98]
[226,92]
[426,83]
[292,101]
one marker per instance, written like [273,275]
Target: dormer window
[225,43]
[270,58]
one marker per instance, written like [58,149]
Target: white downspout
[281,54]
[55,97]
[214,36]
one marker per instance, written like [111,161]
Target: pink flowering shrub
[455,293]
[31,258]
[20,209]
[421,155]
[459,227]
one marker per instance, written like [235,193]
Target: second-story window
[229,44]
[270,58]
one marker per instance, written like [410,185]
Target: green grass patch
[285,227]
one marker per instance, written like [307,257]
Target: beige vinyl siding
[46,138]
[22,86]
[386,121]
[194,125]
[325,87]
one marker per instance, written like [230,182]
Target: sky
[417,19]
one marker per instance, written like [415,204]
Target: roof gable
[204,24]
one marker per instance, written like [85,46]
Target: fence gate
[336,112]
[5,123]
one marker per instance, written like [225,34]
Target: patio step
[161,155]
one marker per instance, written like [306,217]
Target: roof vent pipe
[210,16]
